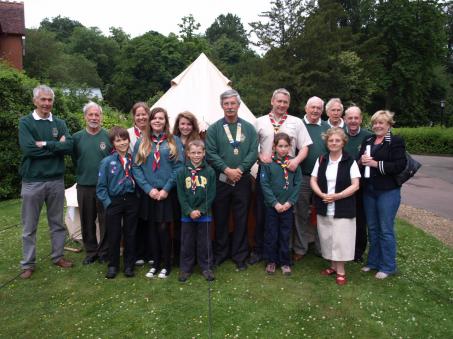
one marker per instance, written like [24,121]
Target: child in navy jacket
[116,191]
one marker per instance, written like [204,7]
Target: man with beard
[91,145]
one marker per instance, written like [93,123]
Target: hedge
[427,140]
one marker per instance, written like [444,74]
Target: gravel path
[439,227]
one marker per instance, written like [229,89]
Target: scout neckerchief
[193,174]
[157,140]
[126,163]
[137,132]
[235,143]
[278,124]
[284,166]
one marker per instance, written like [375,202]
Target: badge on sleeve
[55,132]
[102,145]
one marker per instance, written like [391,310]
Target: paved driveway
[432,187]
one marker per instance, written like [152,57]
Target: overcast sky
[137,17]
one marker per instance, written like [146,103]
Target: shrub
[427,140]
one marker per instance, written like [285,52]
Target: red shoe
[341,279]
[328,271]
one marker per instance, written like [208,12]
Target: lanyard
[235,143]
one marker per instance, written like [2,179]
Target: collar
[225,122]
[340,125]
[309,123]
[352,135]
[37,117]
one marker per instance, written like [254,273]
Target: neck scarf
[126,163]
[278,124]
[137,132]
[157,140]
[284,165]
[193,174]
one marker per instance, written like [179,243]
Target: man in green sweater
[356,135]
[44,140]
[91,145]
[232,149]
[304,232]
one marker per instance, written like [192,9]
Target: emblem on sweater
[200,181]
[55,132]
[102,145]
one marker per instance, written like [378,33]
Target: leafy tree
[229,26]
[285,21]
[188,28]
[119,36]
[62,27]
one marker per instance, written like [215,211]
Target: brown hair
[195,134]
[117,131]
[335,130]
[145,147]
[196,143]
[140,104]
[282,136]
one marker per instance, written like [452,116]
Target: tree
[119,36]
[61,26]
[285,21]
[188,28]
[229,26]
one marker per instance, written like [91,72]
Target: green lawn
[79,302]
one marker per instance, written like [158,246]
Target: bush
[427,140]
[16,93]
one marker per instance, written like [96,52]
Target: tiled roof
[12,18]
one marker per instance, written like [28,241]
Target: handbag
[412,166]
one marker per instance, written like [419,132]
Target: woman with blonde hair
[385,156]
[158,155]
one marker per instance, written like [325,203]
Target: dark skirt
[158,211]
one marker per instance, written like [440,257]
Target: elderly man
[278,120]
[334,110]
[91,145]
[356,134]
[231,149]
[304,232]
[44,140]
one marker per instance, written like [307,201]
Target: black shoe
[111,272]
[103,259]
[183,276]
[89,260]
[209,275]
[241,266]
[254,258]
[129,272]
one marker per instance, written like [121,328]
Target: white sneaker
[140,262]
[381,275]
[365,269]
[163,274]
[151,273]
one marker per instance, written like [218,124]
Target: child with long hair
[280,190]
[186,127]
[158,156]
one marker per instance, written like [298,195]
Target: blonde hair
[383,115]
[146,144]
[335,130]
[195,134]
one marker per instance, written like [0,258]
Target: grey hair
[42,89]
[228,94]
[90,104]
[352,108]
[315,98]
[334,101]
[283,91]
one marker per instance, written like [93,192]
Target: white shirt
[331,176]
[37,117]
[341,124]
[293,126]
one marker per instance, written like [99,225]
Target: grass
[79,302]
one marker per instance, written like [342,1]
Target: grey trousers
[34,195]
[304,233]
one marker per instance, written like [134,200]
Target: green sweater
[354,142]
[204,192]
[220,153]
[43,163]
[273,181]
[317,148]
[88,152]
